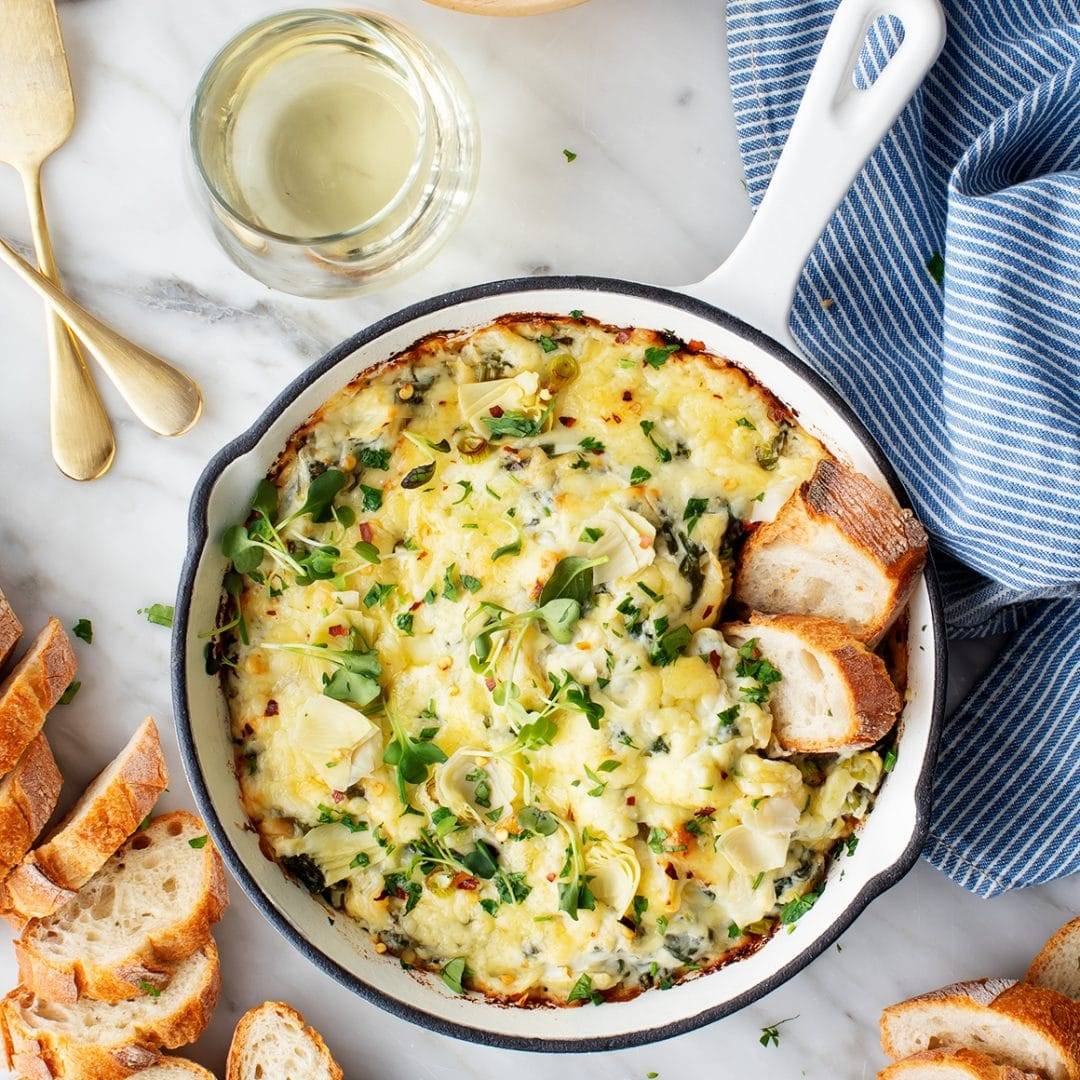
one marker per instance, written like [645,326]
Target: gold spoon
[163,398]
[37,112]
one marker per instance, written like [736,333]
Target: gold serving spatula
[37,112]
[36,115]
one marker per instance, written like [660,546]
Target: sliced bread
[149,908]
[833,692]
[1028,1027]
[839,548]
[952,1063]
[92,1040]
[10,629]
[28,797]
[274,1040]
[108,812]
[1057,966]
[174,1068]
[35,685]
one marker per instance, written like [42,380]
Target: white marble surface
[638,89]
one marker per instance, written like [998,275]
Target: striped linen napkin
[943,302]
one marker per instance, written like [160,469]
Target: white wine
[333,151]
[321,142]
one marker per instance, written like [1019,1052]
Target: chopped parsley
[159,614]
[656,356]
[84,630]
[663,454]
[638,475]
[569,155]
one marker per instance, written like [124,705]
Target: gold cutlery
[37,112]
[163,398]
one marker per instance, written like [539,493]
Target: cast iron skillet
[740,312]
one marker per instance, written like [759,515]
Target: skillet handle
[836,129]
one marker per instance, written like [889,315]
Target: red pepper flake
[627,396]
[365,531]
[705,811]
[271,708]
[707,612]
[415,606]
[496,411]
[622,337]
[465,881]
[568,421]
[489,682]
[714,661]
[551,877]
[695,346]
[671,872]
[616,417]
[338,631]
[631,800]
[339,796]
[249,730]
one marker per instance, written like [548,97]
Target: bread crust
[170,1066]
[52,1055]
[78,847]
[151,961]
[971,1062]
[281,1010]
[874,701]
[838,497]
[1067,937]
[35,685]
[28,797]
[10,629]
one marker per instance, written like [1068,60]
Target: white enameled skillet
[740,312]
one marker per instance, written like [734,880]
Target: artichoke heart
[615,874]
[476,400]
[340,744]
[473,784]
[625,538]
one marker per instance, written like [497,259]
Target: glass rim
[371,22]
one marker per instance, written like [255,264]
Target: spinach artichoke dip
[476,690]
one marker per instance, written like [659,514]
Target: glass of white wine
[332,151]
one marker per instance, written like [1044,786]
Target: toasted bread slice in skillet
[149,908]
[274,1040]
[35,685]
[95,1040]
[839,548]
[833,694]
[108,812]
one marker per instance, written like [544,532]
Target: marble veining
[638,89]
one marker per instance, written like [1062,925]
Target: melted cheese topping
[648,827]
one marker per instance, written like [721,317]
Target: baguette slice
[952,1063]
[839,548]
[833,694]
[149,908]
[274,1040]
[1057,967]
[34,686]
[1028,1027]
[95,1041]
[10,629]
[28,797]
[108,812]
[174,1068]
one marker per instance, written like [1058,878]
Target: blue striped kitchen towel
[971,383]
